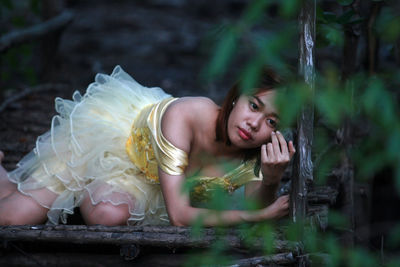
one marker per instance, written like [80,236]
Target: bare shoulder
[181,118]
[194,103]
[187,108]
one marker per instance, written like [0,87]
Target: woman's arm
[178,126]
[263,194]
[275,156]
[182,214]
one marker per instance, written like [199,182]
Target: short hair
[269,80]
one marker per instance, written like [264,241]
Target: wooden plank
[277,259]
[322,194]
[157,236]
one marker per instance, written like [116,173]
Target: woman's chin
[243,144]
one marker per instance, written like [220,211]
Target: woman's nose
[255,122]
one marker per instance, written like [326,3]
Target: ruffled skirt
[84,153]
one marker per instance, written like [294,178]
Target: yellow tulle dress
[108,145]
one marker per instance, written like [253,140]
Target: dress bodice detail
[148,149]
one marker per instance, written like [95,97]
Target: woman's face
[252,120]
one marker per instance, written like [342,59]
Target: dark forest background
[201,48]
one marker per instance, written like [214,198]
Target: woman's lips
[245,135]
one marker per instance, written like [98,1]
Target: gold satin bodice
[148,149]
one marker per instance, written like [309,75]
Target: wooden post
[303,166]
[344,134]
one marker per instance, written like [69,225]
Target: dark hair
[269,80]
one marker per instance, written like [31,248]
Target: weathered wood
[18,37]
[277,259]
[303,166]
[352,34]
[372,40]
[362,210]
[344,134]
[70,259]
[31,90]
[317,216]
[87,259]
[322,194]
[168,236]
[347,192]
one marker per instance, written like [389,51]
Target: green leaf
[393,144]
[388,25]
[320,15]
[329,17]
[360,258]
[289,8]
[250,76]
[311,241]
[369,159]
[395,262]
[297,95]
[268,239]
[337,220]
[345,2]
[223,54]
[345,17]
[254,11]
[332,34]
[394,236]
[333,248]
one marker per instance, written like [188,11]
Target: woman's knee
[18,209]
[106,214]
[9,217]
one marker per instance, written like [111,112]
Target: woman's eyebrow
[263,104]
[259,100]
[274,114]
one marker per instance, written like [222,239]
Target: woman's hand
[275,156]
[276,210]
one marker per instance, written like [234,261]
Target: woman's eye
[272,122]
[253,105]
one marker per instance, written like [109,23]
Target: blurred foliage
[266,34]
[17,62]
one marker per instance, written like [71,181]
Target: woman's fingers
[270,153]
[282,141]
[292,150]
[264,155]
[275,144]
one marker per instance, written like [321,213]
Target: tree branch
[30,90]
[21,36]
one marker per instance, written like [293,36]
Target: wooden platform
[79,245]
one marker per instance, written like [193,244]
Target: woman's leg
[6,187]
[104,213]
[19,209]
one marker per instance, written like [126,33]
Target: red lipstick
[245,135]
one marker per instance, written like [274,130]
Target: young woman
[122,151]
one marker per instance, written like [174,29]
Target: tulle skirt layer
[83,154]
